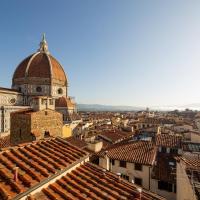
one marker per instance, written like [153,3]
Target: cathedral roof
[41,65]
[64,102]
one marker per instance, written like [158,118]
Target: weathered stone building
[39,122]
[29,126]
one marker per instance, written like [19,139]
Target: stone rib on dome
[64,102]
[41,65]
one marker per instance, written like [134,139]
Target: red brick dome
[65,102]
[41,65]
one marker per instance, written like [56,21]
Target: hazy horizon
[115,52]
[195,106]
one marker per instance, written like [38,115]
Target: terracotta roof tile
[142,152]
[89,182]
[64,102]
[115,135]
[191,160]
[36,161]
[167,140]
[39,65]
[76,142]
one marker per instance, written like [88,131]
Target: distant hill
[99,107]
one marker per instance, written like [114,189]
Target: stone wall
[46,121]
[28,126]
[20,129]
[8,98]
[5,116]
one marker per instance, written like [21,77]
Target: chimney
[104,172]
[16,174]
[140,192]
[119,176]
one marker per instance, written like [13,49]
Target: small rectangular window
[138,167]
[125,177]
[51,101]
[112,162]
[174,188]
[122,163]
[162,185]
[163,150]
[138,181]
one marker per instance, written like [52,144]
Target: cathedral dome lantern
[40,74]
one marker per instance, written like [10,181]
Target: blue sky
[116,52]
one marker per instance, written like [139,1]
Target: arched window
[13,101]
[38,89]
[19,89]
[60,91]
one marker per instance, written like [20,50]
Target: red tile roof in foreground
[36,162]
[89,182]
[143,152]
[167,140]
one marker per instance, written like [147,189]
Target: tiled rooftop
[115,136]
[191,160]
[89,182]
[77,142]
[142,152]
[167,140]
[157,121]
[36,162]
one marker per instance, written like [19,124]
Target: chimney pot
[16,174]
